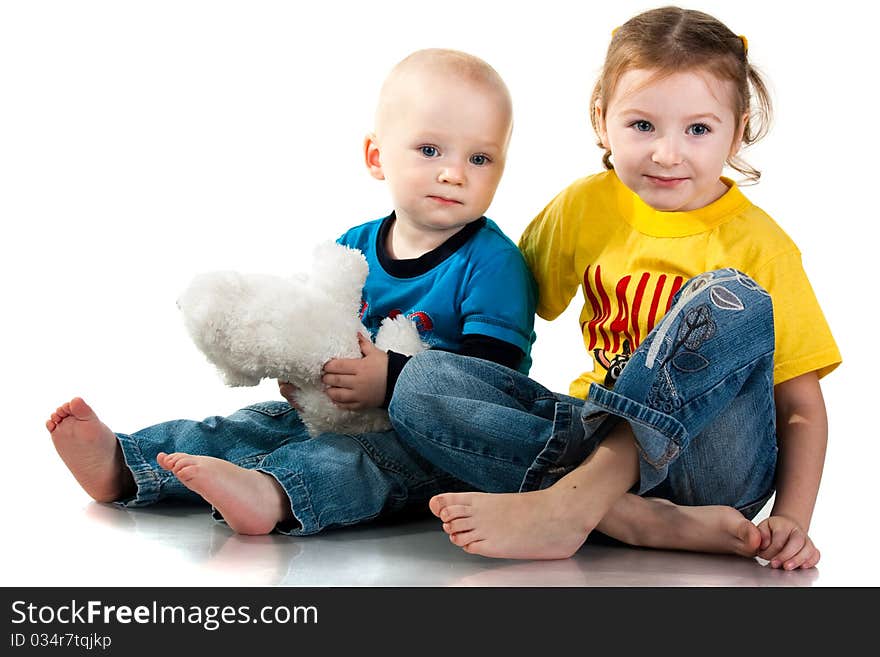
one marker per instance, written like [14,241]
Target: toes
[51,425]
[80,409]
[460,525]
[168,461]
[444,500]
[750,537]
[462,539]
[436,505]
[455,512]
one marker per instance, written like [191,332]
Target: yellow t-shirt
[630,259]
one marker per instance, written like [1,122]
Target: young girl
[696,407]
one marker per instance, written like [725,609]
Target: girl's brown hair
[674,40]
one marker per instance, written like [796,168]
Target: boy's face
[441,144]
[670,137]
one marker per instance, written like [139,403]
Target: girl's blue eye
[643,126]
[479,159]
[429,151]
[699,129]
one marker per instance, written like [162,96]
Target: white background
[142,143]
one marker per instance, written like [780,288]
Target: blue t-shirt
[476,283]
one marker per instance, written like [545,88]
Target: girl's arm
[802,436]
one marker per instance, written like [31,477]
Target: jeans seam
[723,382]
[448,446]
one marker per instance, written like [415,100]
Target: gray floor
[92,544]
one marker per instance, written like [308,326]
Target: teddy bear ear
[341,271]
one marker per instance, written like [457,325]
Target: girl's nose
[667,152]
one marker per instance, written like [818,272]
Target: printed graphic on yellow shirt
[623,313]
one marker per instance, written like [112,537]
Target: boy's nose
[667,152]
[452,174]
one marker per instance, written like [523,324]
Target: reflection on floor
[102,545]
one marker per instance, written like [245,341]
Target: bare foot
[544,524]
[531,525]
[250,502]
[90,451]
[658,523]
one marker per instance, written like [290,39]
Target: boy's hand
[785,545]
[288,391]
[358,383]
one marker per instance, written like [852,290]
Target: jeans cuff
[660,438]
[566,449]
[146,477]
[300,503]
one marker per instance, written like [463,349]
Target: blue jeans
[331,480]
[698,394]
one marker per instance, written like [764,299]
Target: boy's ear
[371,157]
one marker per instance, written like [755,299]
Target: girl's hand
[785,545]
[288,391]
[358,383]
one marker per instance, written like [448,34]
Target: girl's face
[670,136]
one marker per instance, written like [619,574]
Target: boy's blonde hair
[673,40]
[455,63]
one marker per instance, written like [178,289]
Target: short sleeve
[549,254]
[804,342]
[500,300]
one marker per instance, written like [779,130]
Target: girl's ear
[371,157]
[601,128]
[737,143]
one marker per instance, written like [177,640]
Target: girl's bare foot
[250,502]
[658,523]
[533,525]
[90,451]
[543,524]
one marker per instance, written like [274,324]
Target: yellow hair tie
[614,31]
[745,44]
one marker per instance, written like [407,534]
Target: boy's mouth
[442,200]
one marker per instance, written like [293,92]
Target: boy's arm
[802,436]
[356,383]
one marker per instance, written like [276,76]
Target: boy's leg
[337,480]
[326,481]
[483,423]
[243,439]
[261,471]
[90,451]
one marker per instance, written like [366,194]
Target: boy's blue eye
[479,159]
[643,126]
[699,129]
[429,151]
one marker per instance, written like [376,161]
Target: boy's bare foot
[531,525]
[90,451]
[658,523]
[250,502]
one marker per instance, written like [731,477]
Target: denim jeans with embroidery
[331,480]
[698,394]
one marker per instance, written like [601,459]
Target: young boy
[442,128]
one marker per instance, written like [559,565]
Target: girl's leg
[708,363]
[698,397]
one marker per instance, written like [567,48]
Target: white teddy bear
[253,326]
